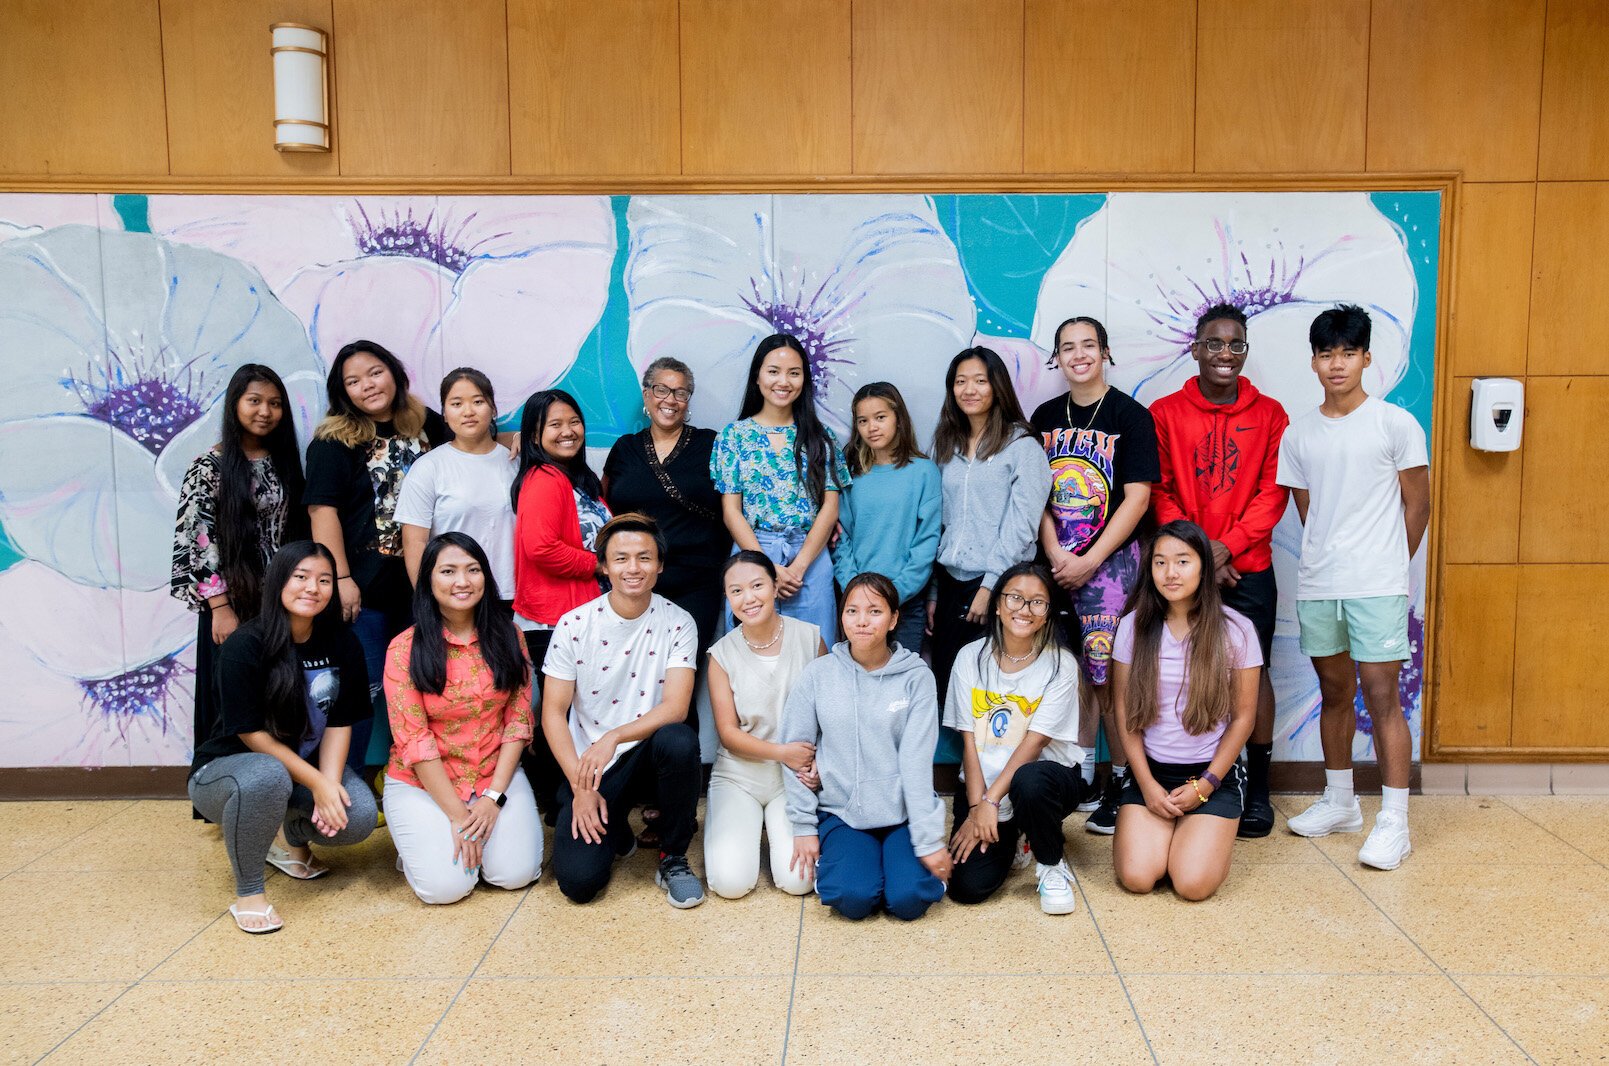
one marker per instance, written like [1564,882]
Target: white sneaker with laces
[1056,894]
[1327,816]
[1388,843]
[1024,856]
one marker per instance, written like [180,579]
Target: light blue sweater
[891,520]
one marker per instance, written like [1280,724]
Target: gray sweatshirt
[875,733]
[992,508]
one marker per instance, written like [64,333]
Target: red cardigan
[1218,467]
[553,573]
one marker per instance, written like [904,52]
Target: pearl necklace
[767,644]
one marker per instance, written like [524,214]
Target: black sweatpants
[1043,794]
[664,770]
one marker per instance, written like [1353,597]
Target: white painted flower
[871,285]
[1148,264]
[24,214]
[118,348]
[511,285]
[94,676]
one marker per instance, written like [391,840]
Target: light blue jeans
[815,602]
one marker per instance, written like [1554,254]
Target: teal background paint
[1417,216]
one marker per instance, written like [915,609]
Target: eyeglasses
[665,392]
[1216,346]
[1014,602]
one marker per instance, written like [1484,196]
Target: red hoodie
[1218,468]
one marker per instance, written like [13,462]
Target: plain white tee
[618,664]
[998,709]
[450,491]
[1355,542]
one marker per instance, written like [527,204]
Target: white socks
[1395,801]
[1119,772]
[1086,769]
[1338,783]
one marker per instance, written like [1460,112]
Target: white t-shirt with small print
[619,665]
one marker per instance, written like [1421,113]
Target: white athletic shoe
[1388,843]
[1024,857]
[1056,894]
[1327,816]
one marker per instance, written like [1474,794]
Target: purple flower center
[808,317]
[144,692]
[152,400]
[435,239]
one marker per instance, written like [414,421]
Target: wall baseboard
[168,782]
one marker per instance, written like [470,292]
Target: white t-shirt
[998,709]
[451,491]
[618,664]
[1355,542]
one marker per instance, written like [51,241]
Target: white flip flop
[276,924]
[281,860]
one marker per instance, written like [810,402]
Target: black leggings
[541,768]
[1043,794]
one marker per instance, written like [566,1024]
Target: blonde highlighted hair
[345,423]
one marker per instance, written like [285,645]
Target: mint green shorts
[1374,629]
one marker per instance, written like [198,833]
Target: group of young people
[513,637]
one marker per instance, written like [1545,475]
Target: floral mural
[122,318]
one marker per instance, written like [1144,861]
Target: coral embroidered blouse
[463,727]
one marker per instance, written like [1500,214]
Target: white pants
[732,822]
[511,858]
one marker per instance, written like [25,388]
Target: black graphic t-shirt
[1094,451]
[336,689]
[363,485]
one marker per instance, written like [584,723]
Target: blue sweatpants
[862,868]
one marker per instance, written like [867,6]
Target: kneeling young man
[614,710]
[1358,469]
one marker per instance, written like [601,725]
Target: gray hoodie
[875,733]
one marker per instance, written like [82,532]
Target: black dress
[678,494]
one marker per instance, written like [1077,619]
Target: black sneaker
[1257,820]
[1104,820]
[682,886]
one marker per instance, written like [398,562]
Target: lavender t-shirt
[1166,741]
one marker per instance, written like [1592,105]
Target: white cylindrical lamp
[301,88]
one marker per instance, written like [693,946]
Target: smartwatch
[495,796]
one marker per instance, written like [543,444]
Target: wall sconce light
[301,88]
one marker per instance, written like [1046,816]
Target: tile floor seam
[793,986]
[1420,948]
[1590,857]
[131,986]
[1116,969]
[44,854]
[525,895]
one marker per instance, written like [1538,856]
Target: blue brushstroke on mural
[1006,243]
[134,210]
[1417,216]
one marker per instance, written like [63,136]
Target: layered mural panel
[122,318]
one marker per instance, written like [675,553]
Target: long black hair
[284,688]
[811,438]
[534,457]
[500,643]
[1006,421]
[235,528]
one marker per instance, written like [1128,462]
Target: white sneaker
[1388,843]
[1024,856]
[1327,816]
[1056,895]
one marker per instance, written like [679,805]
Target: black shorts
[1226,801]
[1256,597]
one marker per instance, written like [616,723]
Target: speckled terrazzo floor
[1490,944]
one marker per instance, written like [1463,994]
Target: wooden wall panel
[1564,495]
[938,86]
[81,88]
[1558,687]
[1493,280]
[1475,656]
[580,102]
[1280,85]
[1480,512]
[220,86]
[1101,98]
[1575,91]
[765,86]
[1456,85]
[421,89]
[1569,309]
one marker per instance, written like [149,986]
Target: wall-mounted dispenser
[1496,414]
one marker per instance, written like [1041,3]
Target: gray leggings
[251,796]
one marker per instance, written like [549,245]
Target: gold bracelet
[1197,788]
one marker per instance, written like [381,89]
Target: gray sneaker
[682,886]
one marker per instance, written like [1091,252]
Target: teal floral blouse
[775,500]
